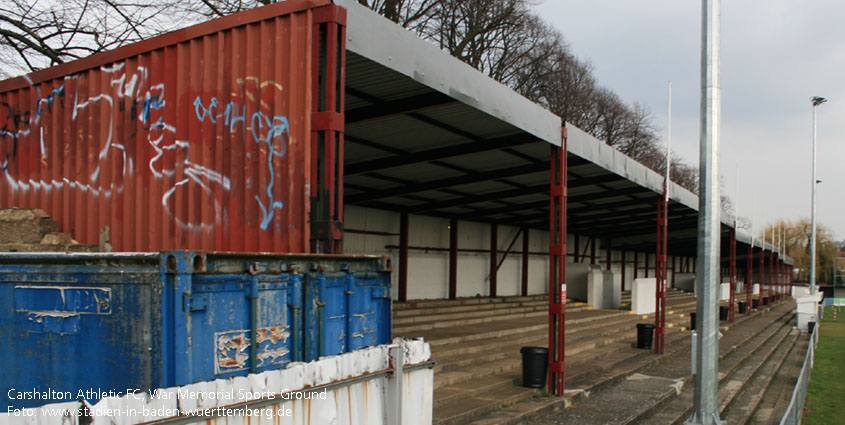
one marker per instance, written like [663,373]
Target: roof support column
[525,259]
[771,275]
[732,300]
[403,257]
[592,250]
[762,270]
[660,272]
[577,248]
[453,258]
[608,256]
[623,270]
[674,258]
[749,273]
[636,262]
[327,125]
[557,267]
[494,257]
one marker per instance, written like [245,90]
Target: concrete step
[449,407]
[414,304]
[774,373]
[775,399]
[736,368]
[495,310]
[595,374]
[457,308]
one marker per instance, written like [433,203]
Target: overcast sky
[776,54]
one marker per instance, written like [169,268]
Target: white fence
[383,385]
[793,413]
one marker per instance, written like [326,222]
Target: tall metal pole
[816,102]
[706,408]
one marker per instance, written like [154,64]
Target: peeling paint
[232,348]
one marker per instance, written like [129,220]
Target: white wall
[428,272]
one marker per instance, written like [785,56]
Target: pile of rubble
[32,230]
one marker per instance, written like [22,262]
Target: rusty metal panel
[198,139]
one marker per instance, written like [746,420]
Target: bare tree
[35,34]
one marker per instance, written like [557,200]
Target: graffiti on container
[131,112]
[270,132]
[232,348]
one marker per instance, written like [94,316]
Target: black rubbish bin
[723,312]
[755,303]
[645,333]
[765,300]
[810,327]
[743,307]
[692,321]
[535,361]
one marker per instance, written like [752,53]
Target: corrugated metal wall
[198,139]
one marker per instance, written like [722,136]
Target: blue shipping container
[112,322]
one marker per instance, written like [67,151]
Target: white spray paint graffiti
[148,104]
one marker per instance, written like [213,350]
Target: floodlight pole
[706,408]
[817,100]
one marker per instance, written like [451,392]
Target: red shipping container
[201,139]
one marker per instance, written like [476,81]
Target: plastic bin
[645,333]
[535,362]
[755,303]
[692,321]
[723,312]
[743,307]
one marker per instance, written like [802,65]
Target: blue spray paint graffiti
[272,132]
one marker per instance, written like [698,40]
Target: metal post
[525,261]
[706,407]
[592,250]
[816,102]
[494,257]
[732,299]
[660,273]
[608,256]
[557,268]
[636,262]
[623,269]
[453,258]
[403,257]
[749,277]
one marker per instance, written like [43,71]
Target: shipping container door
[71,329]
[226,308]
[346,311]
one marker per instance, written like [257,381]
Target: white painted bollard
[642,295]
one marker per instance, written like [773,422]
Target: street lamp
[817,100]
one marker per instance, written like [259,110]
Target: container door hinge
[197,302]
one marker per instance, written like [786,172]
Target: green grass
[825,403]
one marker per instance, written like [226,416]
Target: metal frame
[732,297]
[660,272]
[557,268]
[327,129]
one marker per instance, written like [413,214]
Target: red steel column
[525,261]
[771,275]
[494,257]
[749,273]
[674,257]
[327,128]
[403,257]
[660,272]
[762,273]
[636,262]
[453,258]
[557,268]
[623,270]
[732,298]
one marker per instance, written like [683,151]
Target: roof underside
[415,145]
